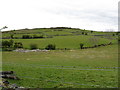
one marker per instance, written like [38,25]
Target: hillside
[60,36]
[74,58]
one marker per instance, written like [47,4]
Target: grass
[52,32]
[64,68]
[72,42]
[74,68]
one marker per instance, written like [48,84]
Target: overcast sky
[98,15]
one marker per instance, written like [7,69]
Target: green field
[70,68]
[73,68]
[52,32]
[71,42]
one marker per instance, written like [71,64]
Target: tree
[8,44]
[85,33]
[50,47]
[113,34]
[5,44]
[91,31]
[81,45]
[18,45]
[5,27]
[12,36]
[82,33]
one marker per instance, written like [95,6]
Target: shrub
[82,33]
[85,33]
[113,34]
[33,46]
[81,45]
[12,36]
[50,47]
[18,45]
[6,44]
[91,31]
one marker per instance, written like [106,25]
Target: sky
[98,15]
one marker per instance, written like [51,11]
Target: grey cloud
[108,16]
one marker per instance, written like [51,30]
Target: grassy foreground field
[87,68]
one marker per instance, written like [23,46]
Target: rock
[6,72]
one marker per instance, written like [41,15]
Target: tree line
[24,37]
[9,45]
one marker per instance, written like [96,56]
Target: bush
[50,47]
[91,31]
[82,33]
[33,46]
[6,44]
[81,45]
[85,33]
[113,34]
[18,45]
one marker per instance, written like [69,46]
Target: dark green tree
[7,44]
[91,31]
[50,47]
[82,33]
[18,45]
[81,45]
[85,33]
[12,36]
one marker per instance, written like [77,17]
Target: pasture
[87,68]
[71,42]
[63,68]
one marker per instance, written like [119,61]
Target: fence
[66,67]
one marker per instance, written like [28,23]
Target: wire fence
[100,86]
[28,77]
[66,67]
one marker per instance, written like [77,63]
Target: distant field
[52,32]
[72,42]
[88,68]
[62,38]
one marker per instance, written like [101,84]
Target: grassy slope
[70,41]
[65,41]
[19,33]
[32,64]
[63,66]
